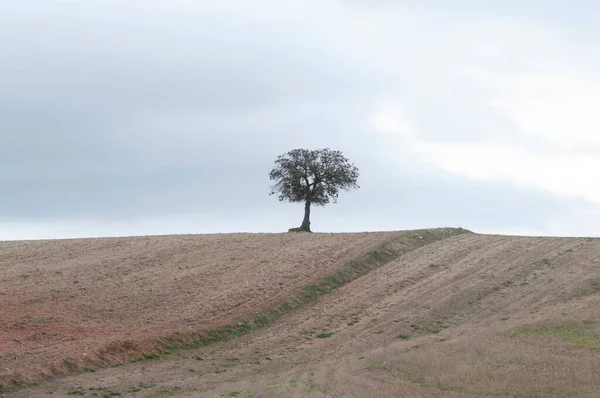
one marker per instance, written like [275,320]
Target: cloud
[180,112]
[557,109]
[527,111]
[566,174]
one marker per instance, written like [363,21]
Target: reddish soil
[75,298]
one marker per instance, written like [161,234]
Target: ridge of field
[70,305]
[468,316]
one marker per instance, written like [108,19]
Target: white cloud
[393,119]
[568,175]
[538,97]
[560,109]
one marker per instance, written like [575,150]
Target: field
[433,313]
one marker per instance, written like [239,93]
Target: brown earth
[72,298]
[465,316]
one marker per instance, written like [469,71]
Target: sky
[123,117]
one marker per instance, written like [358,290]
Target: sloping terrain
[458,315]
[100,301]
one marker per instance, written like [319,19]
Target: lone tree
[313,177]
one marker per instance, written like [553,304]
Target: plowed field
[451,314]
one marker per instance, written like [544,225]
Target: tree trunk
[306,222]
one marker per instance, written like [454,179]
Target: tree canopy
[313,177]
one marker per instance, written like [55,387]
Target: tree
[313,177]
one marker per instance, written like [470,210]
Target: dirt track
[468,316]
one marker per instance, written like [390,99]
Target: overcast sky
[122,117]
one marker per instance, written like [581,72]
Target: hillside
[80,299]
[446,314]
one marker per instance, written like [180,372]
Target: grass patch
[383,367]
[233,394]
[426,383]
[403,337]
[311,293]
[324,335]
[77,391]
[316,387]
[578,337]
[147,357]
[261,319]
[494,394]
[578,334]
[169,391]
